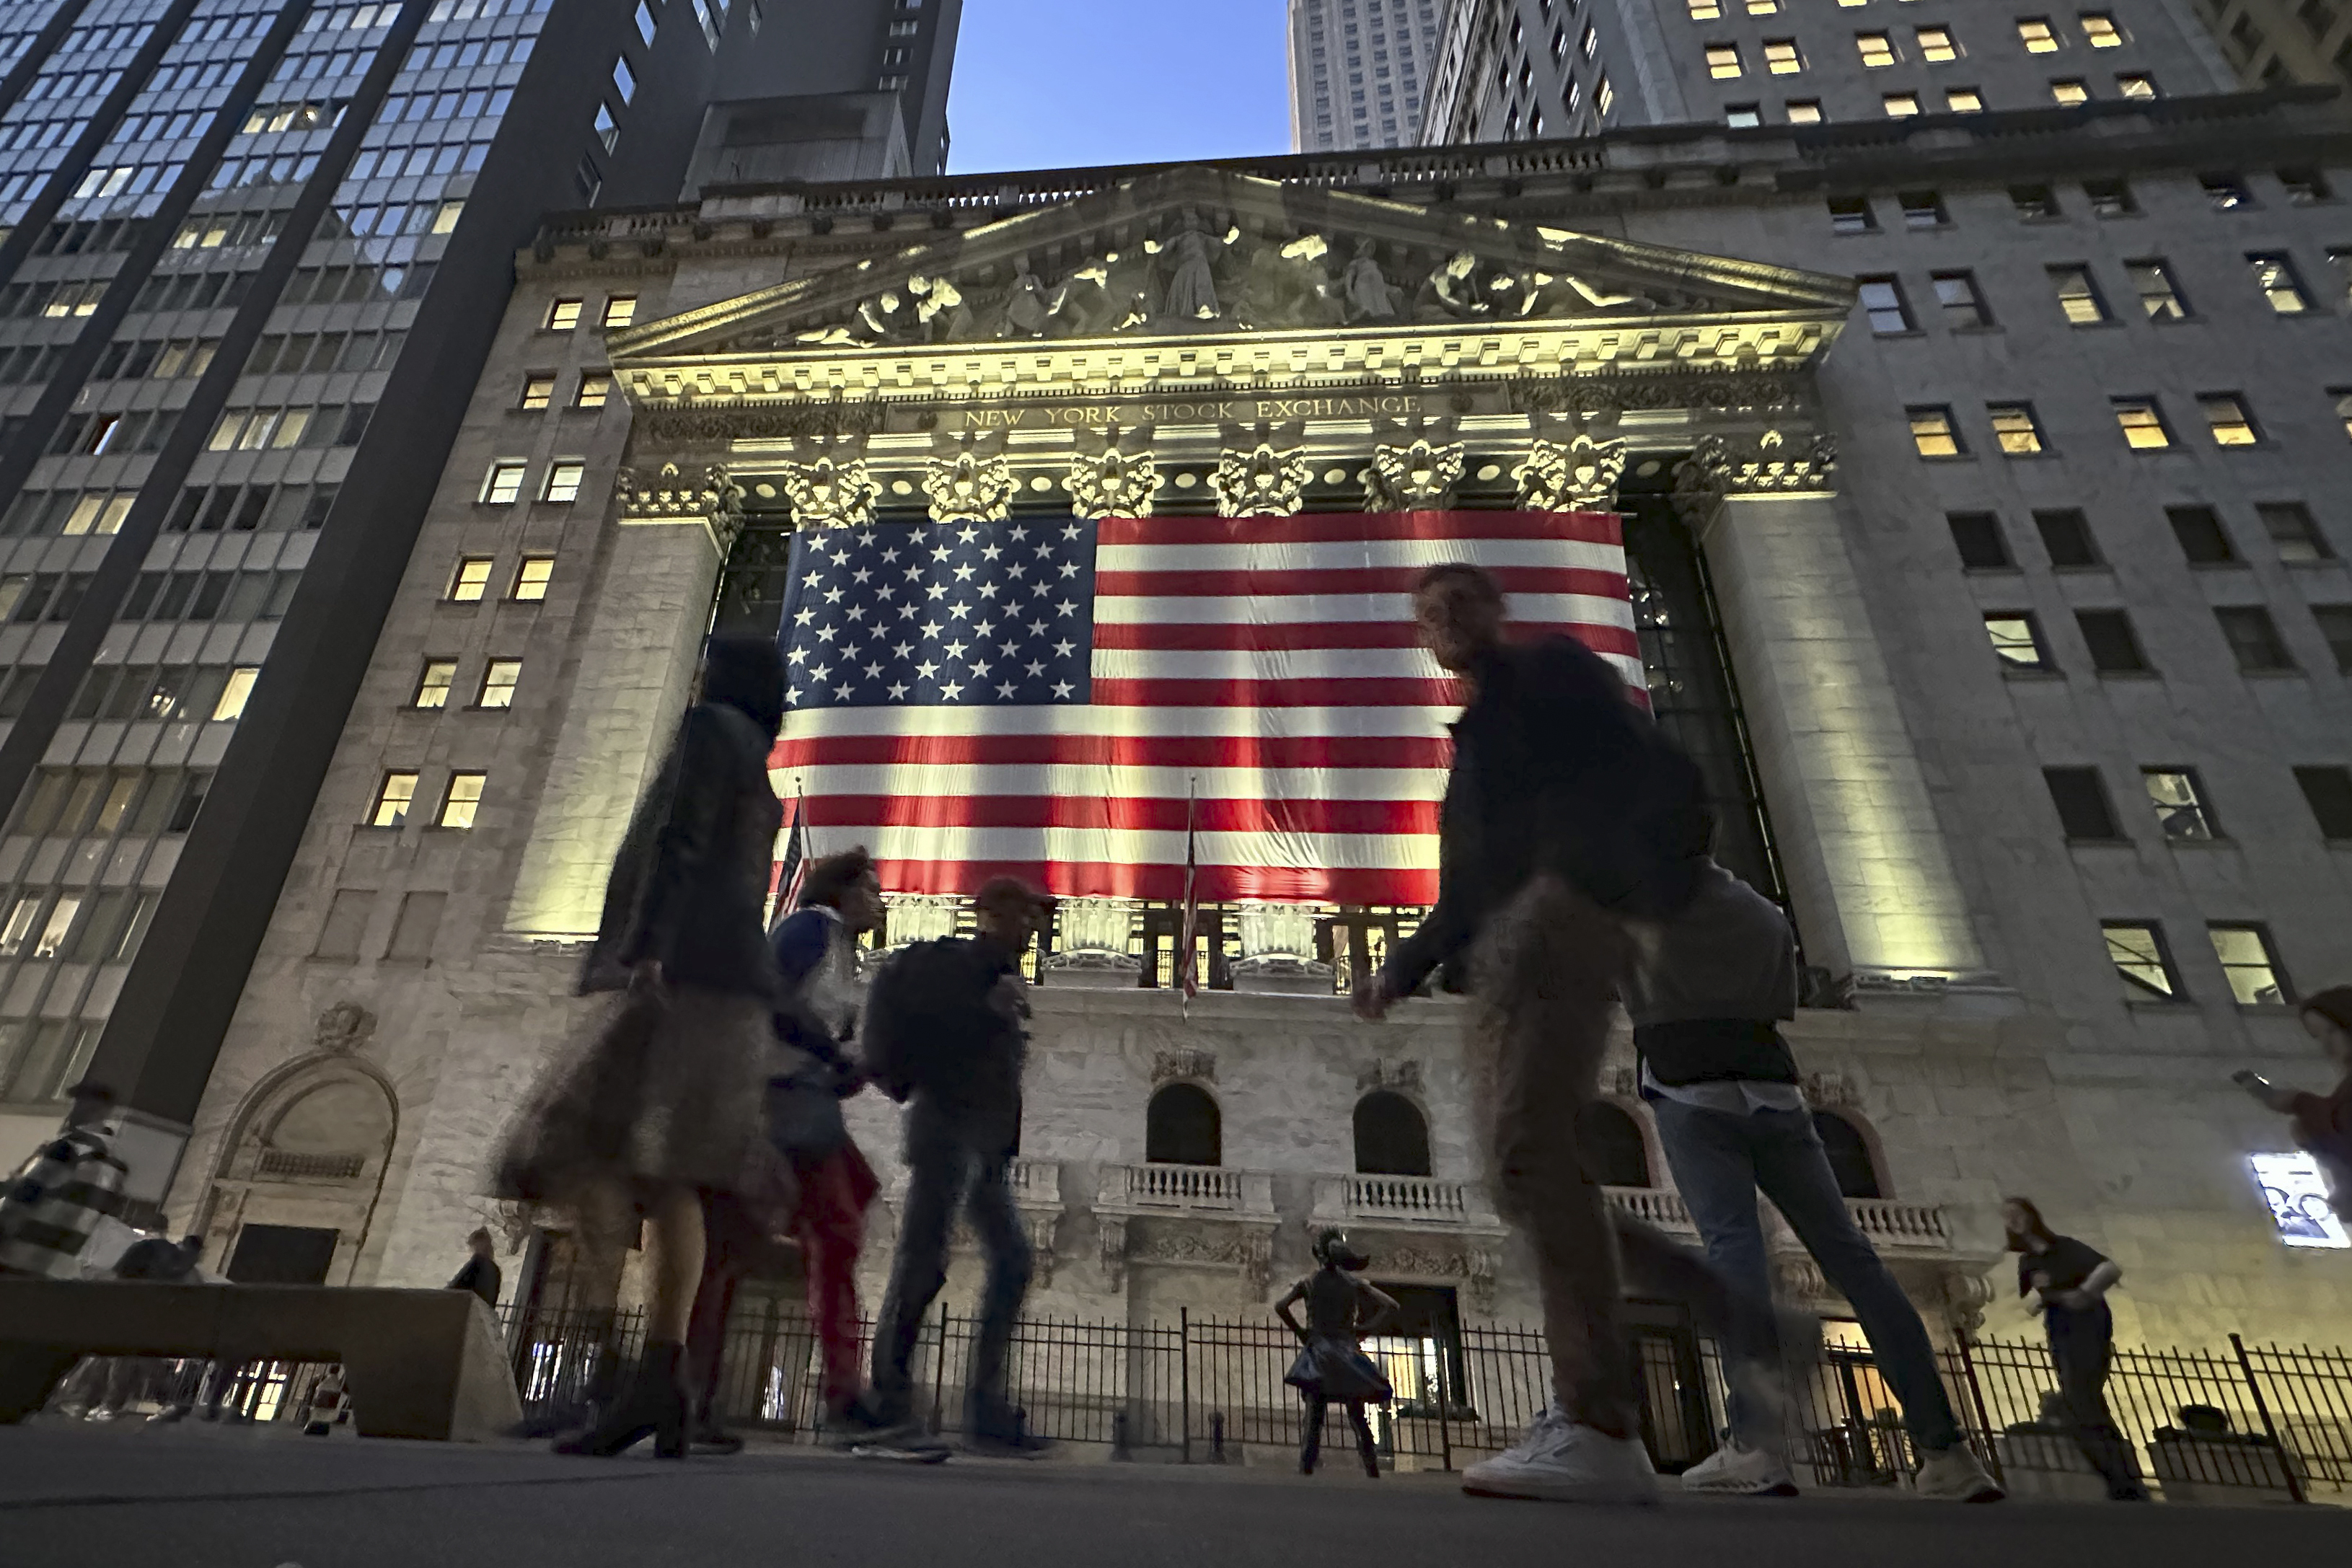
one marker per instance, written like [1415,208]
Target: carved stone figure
[1452,289]
[1286,286]
[967,482]
[1565,294]
[1369,294]
[1113,474]
[343,1029]
[1565,475]
[1029,306]
[1267,476]
[1192,282]
[1414,468]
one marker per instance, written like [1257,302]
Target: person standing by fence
[480,1274]
[1331,1365]
[2067,1281]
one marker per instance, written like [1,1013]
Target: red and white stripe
[1265,669]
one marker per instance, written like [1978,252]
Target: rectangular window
[2034,202]
[1723,60]
[2142,422]
[2099,31]
[1978,537]
[2085,812]
[625,81]
[2016,639]
[1876,50]
[563,480]
[59,923]
[503,484]
[2274,275]
[620,310]
[1804,112]
[498,680]
[2294,531]
[1742,116]
[392,799]
[1852,214]
[2203,541]
[2110,198]
[608,129]
[533,576]
[2037,35]
[2112,643]
[563,315]
[2303,187]
[2143,962]
[458,805]
[2015,428]
[2225,192]
[2250,966]
[1933,433]
[2069,91]
[414,929]
[537,390]
[1704,10]
[471,580]
[2327,791]
[2253,638]
[2078,295]
[2180,807]
[2159,296]
[1936,44]
[2227,416]
[2335,626]
[1881,301]
[596,388]
[2134,84]
[433,685]
[1923,209]
[2066,535]
[1962,304]
[1963,101]
[1781,56]
[1900,105]
[230,704]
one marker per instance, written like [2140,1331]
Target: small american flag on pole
[1140,706]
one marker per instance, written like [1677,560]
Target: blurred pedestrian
[2321,1123]
[481,1273]
[658,1104]
[946,1032]
[2067,1281]
[54,1202]
[1332,1367]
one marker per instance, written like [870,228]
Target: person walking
[1566,816]
[946,1035]
[52,1205]
[2321,1123]
[659,1105]
[2066,1282]
[1331,1365]
[1721,1082]
[480,1274]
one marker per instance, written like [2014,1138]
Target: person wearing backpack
[53,1203]
[946,1032]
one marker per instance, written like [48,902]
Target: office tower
[255,252]
[1358,69]
[2272,42]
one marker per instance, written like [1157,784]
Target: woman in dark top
[1341,1310]
[2066,1282]
[660,1103]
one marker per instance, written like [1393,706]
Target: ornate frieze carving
[707,424]
[968,479]
[1249,1250]
[669,495]
[1768,462]
[1389,1075]
[1186,1062]
[343,1029]
[828,485]
[1477,1267]
[1728,391]
[1263,471]
[1415,465]
[1113,474]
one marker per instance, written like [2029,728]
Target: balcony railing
[1890,1224]
[1185,1189]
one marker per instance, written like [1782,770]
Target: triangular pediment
[1193,251]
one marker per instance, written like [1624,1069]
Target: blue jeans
[1721,1162]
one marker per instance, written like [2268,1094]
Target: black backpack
[921,996]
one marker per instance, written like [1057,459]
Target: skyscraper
[255,251]
[1358,69]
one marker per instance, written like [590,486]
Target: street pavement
[73,1494]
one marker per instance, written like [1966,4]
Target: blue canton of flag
[961,614]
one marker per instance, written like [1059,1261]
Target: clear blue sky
[1055,84]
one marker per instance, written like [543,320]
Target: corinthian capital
[1113,474]
[711,497]
[1769,462]
[968,479]
[1570,475]
[1414,465]
[1263,471]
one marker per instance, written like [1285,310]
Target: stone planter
[2048,1467]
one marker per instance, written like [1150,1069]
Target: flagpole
[1188,978]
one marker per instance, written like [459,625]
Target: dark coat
[480,1276]
[947,1028]
[1556,770]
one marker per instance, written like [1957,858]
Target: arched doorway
[1615,1153]
[1391,1136]
[296,1187]
[1849,1156]
[1182,1126]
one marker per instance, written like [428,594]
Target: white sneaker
[1560,1461]
[1734,1471]
[1953,1475]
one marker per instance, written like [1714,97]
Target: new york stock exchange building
[1827,569]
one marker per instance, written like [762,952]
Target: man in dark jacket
[480,1274]
[946,1035]
[1566,815]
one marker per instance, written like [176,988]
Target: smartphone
[2247,1077]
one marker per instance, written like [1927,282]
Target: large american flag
[1056,699]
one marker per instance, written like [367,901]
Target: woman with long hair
[658,1106]
[2322,1123]
[2066,1282]
[1332,1367]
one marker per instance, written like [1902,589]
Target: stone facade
[1982,1041]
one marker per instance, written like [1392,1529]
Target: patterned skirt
[1335,1369]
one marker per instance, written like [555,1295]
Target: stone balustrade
[1901,1227]
[1660,1206]
[1184,1189]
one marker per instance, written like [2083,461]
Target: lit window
[2226,192]
[1936,44]
[2274,276]
[625,81]
[472,579]
[1851,215]
[620,310]
[1763,7]
[1603,95]
[563,481]
[464,796]
[2140,958]
[20,925]
[595,387]
[433,685]
[1704,10]
[2069,91]
[233,696]
[2014,426]
[2294,531]
[1804,112]
[1740,116]
[2142,423]
[2253,638]
[1882,299]
[1876,50]
[60,923]
[1901,105]
[1963,101]
[2099,31]
[537,390]
[1933,433]
[1723,60]
[2037,35]
[563,315]
[503,484]
[2250,966]
[2158,295]
[392,799]
[532,577]
[1962,304]
[2016,640]
[2078,296]
[1591,44]
[1780,57]
[499,680]
[2180,802]
[2135,84]
[2227,416]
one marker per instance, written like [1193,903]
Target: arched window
[1391,1138]
[1849,1151]
[1182,1127]
[1615,1153]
